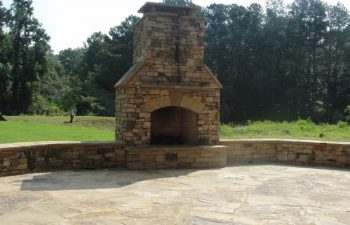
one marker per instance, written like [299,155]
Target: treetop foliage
[277,63]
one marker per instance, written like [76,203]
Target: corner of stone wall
[20,159]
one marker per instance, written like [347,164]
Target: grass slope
[93,128]
[42,128]
[99,122]
[301,129]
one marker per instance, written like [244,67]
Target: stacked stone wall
[139,41]
[36,157]
[156,39]
[23,158]
[176,157]
[310,153]
[49,156]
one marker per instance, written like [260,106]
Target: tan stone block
[164,92]
[94,157]
[22,161]
[147,125]
[163,101]
[6,162]
[190,103]
[198,165]
[149,106]
[21,167]
[205,160]
[175,97]
[213,127]
[209,99]
[207,154]
[307,151]
[110,154]
[129,110]
[154,91]
[282,157]
[144,157]
[304,158]
[205,127]
[144,115]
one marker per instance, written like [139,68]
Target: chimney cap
[167,8]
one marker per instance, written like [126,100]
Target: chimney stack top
[166,8]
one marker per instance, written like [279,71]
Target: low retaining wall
[47,156]
[311,153]
[43,156]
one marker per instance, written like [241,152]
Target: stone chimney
[169,96]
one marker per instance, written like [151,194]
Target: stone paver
[250,194]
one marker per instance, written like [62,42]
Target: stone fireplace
[169,96]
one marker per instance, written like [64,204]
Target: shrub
[306,125]
[42,106]
[342,124]
[347,114]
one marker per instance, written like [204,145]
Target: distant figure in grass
[72,114]
[2,118]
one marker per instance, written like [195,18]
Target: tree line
[277,63]
[282,63]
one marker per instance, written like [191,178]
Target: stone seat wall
[20,158]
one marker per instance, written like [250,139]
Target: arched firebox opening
[173,126]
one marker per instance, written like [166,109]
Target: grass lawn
[43,128]
[99,122]
[301,129]
[93,128]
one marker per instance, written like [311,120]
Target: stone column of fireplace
[168,82]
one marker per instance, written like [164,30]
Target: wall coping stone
[16,145]
[283,141]
[177,147]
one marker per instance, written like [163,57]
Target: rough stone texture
[47,156]
[240,195]
[168,70]
[315,153]
[176,157]
[22,158]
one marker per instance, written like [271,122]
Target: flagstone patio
[246,194]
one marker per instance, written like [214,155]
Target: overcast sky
[70,22]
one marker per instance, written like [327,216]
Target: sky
[70,22]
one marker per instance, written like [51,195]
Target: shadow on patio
[95,179]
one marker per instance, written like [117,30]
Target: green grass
[99,122]
[42,128]
[93,128]
[301,129]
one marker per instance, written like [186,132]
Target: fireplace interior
[173,126]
